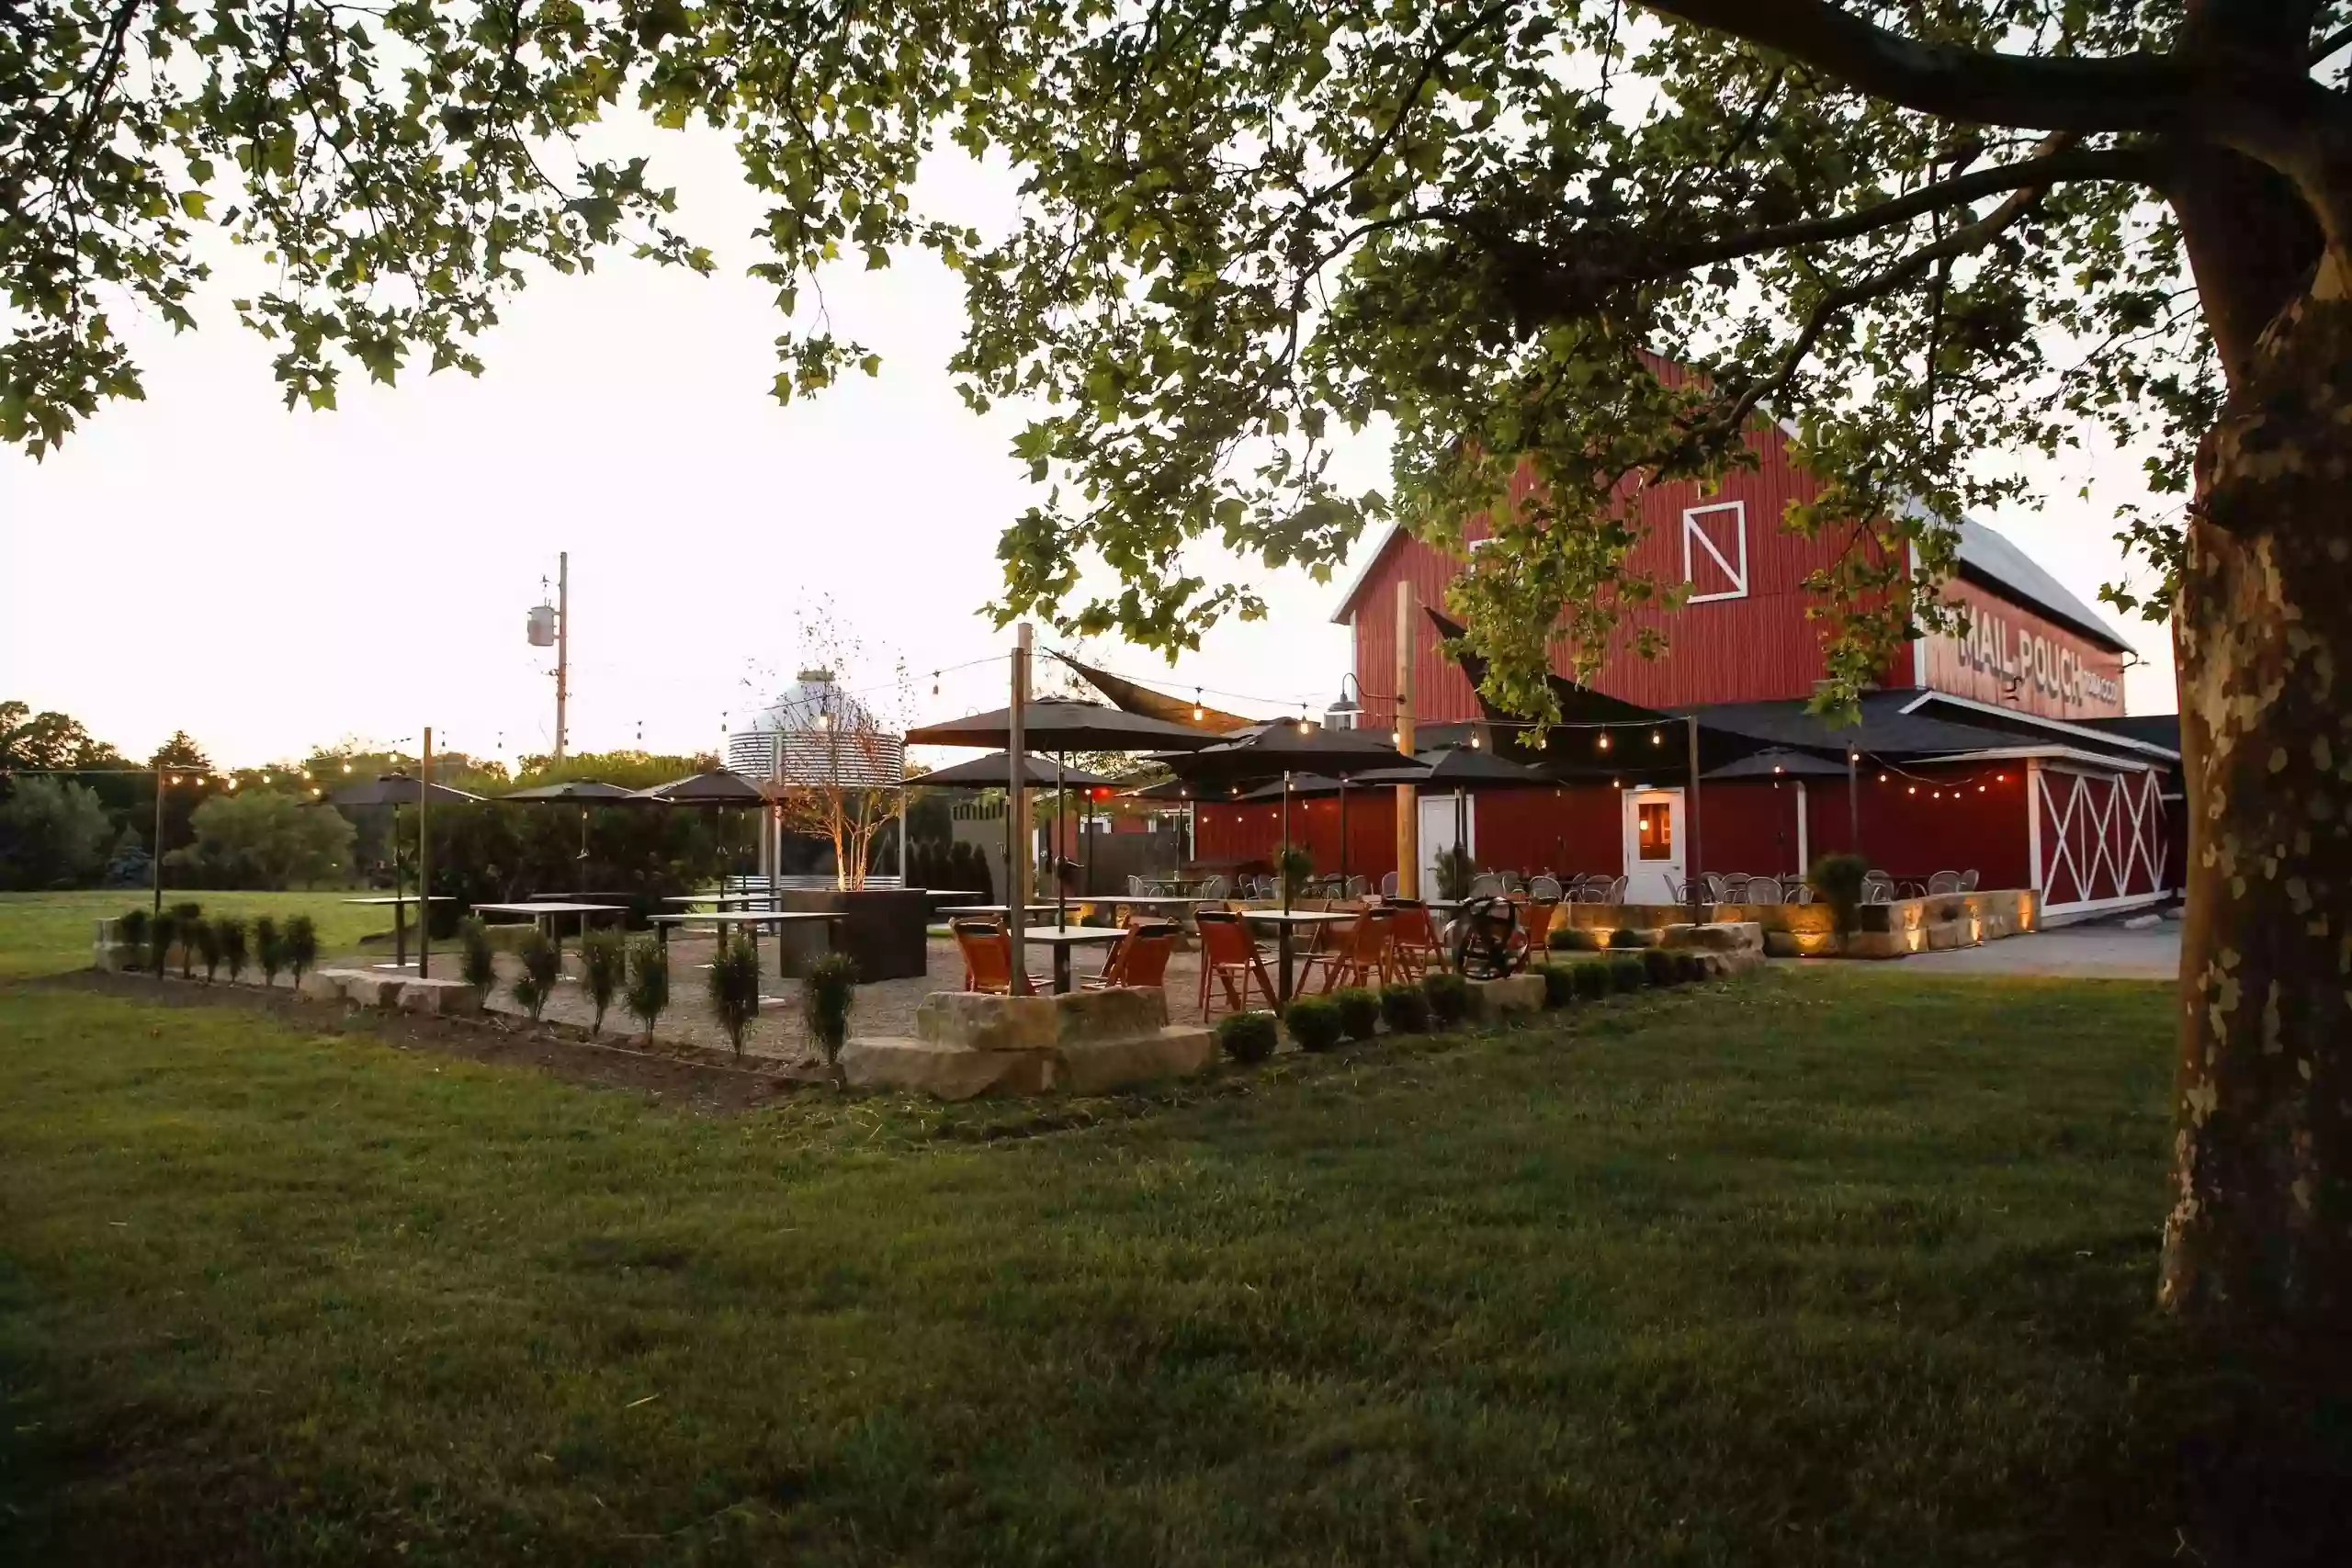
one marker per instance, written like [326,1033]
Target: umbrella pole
[1343,835]
[1282,861]
[1061,902]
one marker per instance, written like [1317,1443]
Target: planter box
[884,930]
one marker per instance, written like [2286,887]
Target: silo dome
[817,733]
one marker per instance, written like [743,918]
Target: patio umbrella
[713,790]
[1778,762]
[1060,725]
[583,793]
[995,771]
[397,790]
[1286,749]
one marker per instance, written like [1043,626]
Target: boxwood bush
[1559,984]
[1246,1036]
[1593,979]
[1627,972]
[1314,1022]
[1405,1008]
[1358,1011]
[1573,938]
[1449,997]
[1690,968]
[1659,966]
[1630,937]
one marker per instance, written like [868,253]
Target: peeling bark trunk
[2261,1229]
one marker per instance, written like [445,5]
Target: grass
[1858,1273]
[47,933]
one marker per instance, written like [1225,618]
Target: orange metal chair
[1415,948]
[1140,959]
[1229,958]
[1362,951]
[987,958]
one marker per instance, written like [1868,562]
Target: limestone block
[1724,936]
[1780,945]
[950,1070]
[1722,965]
[1118,1013]
[1946,935]
[983,1022]
[370,989]
[453,999]
[1098,1066]
[1885,944]
[1510,994]
[321,986]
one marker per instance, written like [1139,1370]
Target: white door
[1438,825]
[1653,845]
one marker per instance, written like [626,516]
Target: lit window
[1653,830]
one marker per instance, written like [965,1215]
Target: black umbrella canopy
[1471,765]
[995,771]
[576,791]
[1166,789]
[718,788]
[396,789]
[1286,747]
[1776,762]
[1064,724]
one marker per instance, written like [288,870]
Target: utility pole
[562,642]
[1409,811]
[156,864]
[423,863]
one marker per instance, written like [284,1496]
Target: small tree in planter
[229,939]
[1456,872]
[603,962]
[1295,867]
[541,967]
[1358,1011]
[1246,1037]
[1838,881]
[649,982]
[205,937]
[187,920]
[270,948]
[301,945]
[477,960]
[828,992]
[735,989]
[162,931]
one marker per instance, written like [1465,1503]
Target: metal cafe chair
[1388,884]
[1761,890]
[1545,890]
[1943,882]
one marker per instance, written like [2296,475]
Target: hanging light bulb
[1474,742]
[1912,790]
[1199,712]
[1882,778]
[935,682]
[347,767]
[1777,768]
[1604,741]
[1396,737]
[1656,737]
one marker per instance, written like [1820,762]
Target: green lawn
[47,933]
[1835,1268]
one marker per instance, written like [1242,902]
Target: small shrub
[477,960]
[1690,969]
[1659,968]
[1837,880]
[604,961]
[1294,865]
[187,920]
[1573,938]
[1246,1037]
[1559,984]
[1592,979]
[299,944]
[1627,938]
[204,937]
[269,949]
[229,937]
[162,931]
[1314,1022]
[1405,1008]
[827,993]
[735,989]
[1449,997]
[541,966]
[1628,972]
[1358,1011]
[648,981]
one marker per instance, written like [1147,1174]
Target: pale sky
[270,580]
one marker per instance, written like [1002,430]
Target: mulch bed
[678,1075]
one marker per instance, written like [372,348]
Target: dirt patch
[678,1075]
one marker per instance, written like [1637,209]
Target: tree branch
[2127,92]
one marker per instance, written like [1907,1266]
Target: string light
[1199,712]
[1658,740]
[1604,741]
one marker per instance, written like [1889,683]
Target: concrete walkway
[2105,952]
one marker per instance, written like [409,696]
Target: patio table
[719,919]
[1284,921]
[541,914]
[1062,939]
[399,903]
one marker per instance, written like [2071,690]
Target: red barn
[2002,748]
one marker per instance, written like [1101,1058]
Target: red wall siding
[1750,828]
[1252,832]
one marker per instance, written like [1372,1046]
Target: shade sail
[396,789]
[1775,761]
[1062,724]
[1459,765]
[718,788]
[995,771]
[575,792]
[1272,750]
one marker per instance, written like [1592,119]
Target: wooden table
[400,903]
[1284,921]
[1061,939]
[720,920]
[540,913]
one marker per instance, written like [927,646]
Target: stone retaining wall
[1887,930]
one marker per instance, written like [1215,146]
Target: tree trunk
[2261,1229]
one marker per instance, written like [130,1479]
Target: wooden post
[1016,813]
[1693,883]
[425,870]
[1408,818]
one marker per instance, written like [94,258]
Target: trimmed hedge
[1405,1008]
[1628,972]
[1659,968]
[1573,938]
[1691,967]
[1314,1022]
[1593,980]
[1559,983]
[1630,937]
[1358,1011]
[1449,997]
[1246,1037]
